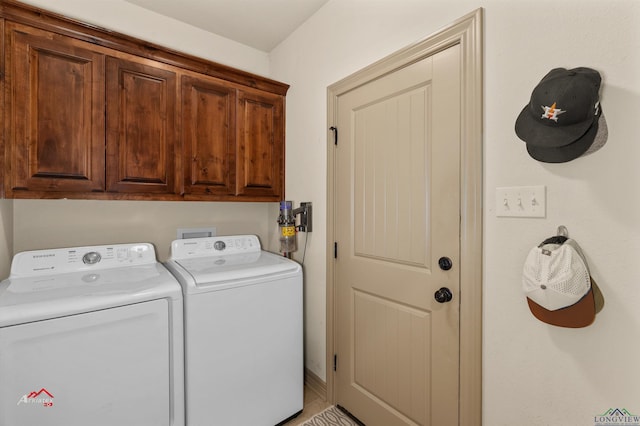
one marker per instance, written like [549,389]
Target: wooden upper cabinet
[260,145]
[56,136]
[208,123]
[141,131]
[89,113]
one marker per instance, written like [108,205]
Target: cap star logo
[551,112]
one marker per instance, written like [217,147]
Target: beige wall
[65,223]
[133,20]
[534,374]
[6,236]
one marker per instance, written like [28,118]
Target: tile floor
[313,404]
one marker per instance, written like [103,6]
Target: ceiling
[261,24]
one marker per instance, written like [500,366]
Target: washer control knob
[219,245]
[91,258]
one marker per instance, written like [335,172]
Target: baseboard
[315,383]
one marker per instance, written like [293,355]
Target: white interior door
[397,214]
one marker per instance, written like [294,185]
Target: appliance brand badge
[42,397]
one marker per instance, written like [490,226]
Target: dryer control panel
[214,246]
[74,259]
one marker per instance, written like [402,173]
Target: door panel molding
[467,32]
[384,385]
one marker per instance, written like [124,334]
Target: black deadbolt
[445,263]
[443,295]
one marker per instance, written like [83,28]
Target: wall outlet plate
[521,201]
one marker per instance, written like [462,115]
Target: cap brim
[533,131]
[578,315]
[563,154]
[601,137]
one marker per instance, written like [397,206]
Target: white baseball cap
[558,285]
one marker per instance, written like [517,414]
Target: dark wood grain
[92,114]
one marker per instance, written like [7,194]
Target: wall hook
[563,231]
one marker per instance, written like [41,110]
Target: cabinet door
[260,145]
[208,123]
[56,98]
[141,133]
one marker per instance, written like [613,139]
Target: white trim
[315,383]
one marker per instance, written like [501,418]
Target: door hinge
[334,129]
[335,250]
[335,362]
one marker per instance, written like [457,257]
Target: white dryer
[91,336]
[243,331]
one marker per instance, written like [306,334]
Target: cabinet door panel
[260,145]
[141,134]
[57,98]
[208,117]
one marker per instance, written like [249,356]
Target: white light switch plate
[521,201]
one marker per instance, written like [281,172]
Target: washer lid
[47,284]
[224,271]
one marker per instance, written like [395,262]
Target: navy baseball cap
[563,116]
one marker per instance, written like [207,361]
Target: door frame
[468,33]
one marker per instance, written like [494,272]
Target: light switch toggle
[521,201]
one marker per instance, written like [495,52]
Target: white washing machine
[243,331]
[91,336]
